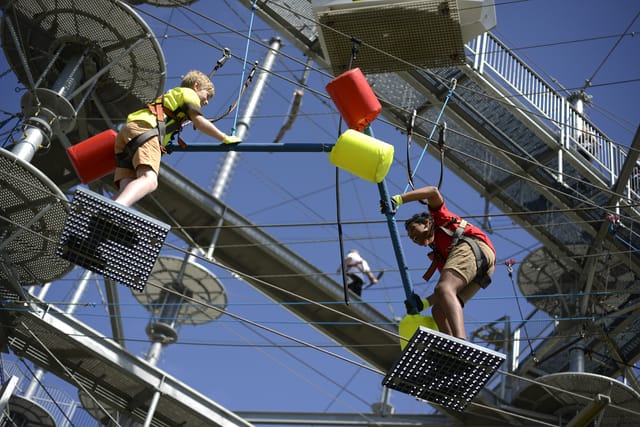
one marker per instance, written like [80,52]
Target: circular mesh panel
[542,277]
[163,3]
[102,34]
[188,279]
[32,215]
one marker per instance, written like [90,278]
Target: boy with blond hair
[140,144]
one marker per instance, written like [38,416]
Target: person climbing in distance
[355,269]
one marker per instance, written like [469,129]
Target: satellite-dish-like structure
[179,292]
[581,396]
[551,283]
[400,35]
[558,287]
[25,412]
[32,214]
[163,3]
[86,59]
[85,65]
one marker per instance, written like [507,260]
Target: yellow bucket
[362,155]
[410,324]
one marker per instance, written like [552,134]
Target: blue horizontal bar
[266,148]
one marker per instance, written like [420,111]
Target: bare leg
[446,299]
[132,190]
[441,320]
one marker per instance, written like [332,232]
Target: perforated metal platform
[109,35]
[549,282]
[186,278]
[110,239]
[32,215]
[442,369]
[417,34]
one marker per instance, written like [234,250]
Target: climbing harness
[176,123]
[160,111]
[457,237]
[244,87]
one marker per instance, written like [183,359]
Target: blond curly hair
[194,77]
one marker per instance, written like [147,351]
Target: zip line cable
[303,362]
[70,374]
[436,125]
[46,390]
[518,377]
[608,55]
[315,347]
[177,227]
[244,65]
[271,330]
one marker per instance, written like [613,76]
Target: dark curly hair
[422,218]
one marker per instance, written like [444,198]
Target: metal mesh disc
[163,3]
[551,284]
[26,412]
[32,215]
[566,393]
[103,31]
[188,279]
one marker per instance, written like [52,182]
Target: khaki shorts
[463,261]
[148,154]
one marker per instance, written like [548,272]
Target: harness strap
[432,268]
[125,159]
[158,110]
[457,236]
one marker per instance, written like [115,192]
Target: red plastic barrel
[94,157]
[354,99]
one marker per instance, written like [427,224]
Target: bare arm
[430,193]
[205,126]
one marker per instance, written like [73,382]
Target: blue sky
[240,366]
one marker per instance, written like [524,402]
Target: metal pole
[39,372]
[153,405]
[229,161]
[397,247]
[38,130]
[243,124]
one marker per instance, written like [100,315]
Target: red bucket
[94,157]
[354,98]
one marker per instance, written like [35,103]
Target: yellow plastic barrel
[362,155]
[410,324]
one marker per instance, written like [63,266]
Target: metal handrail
[575,131]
